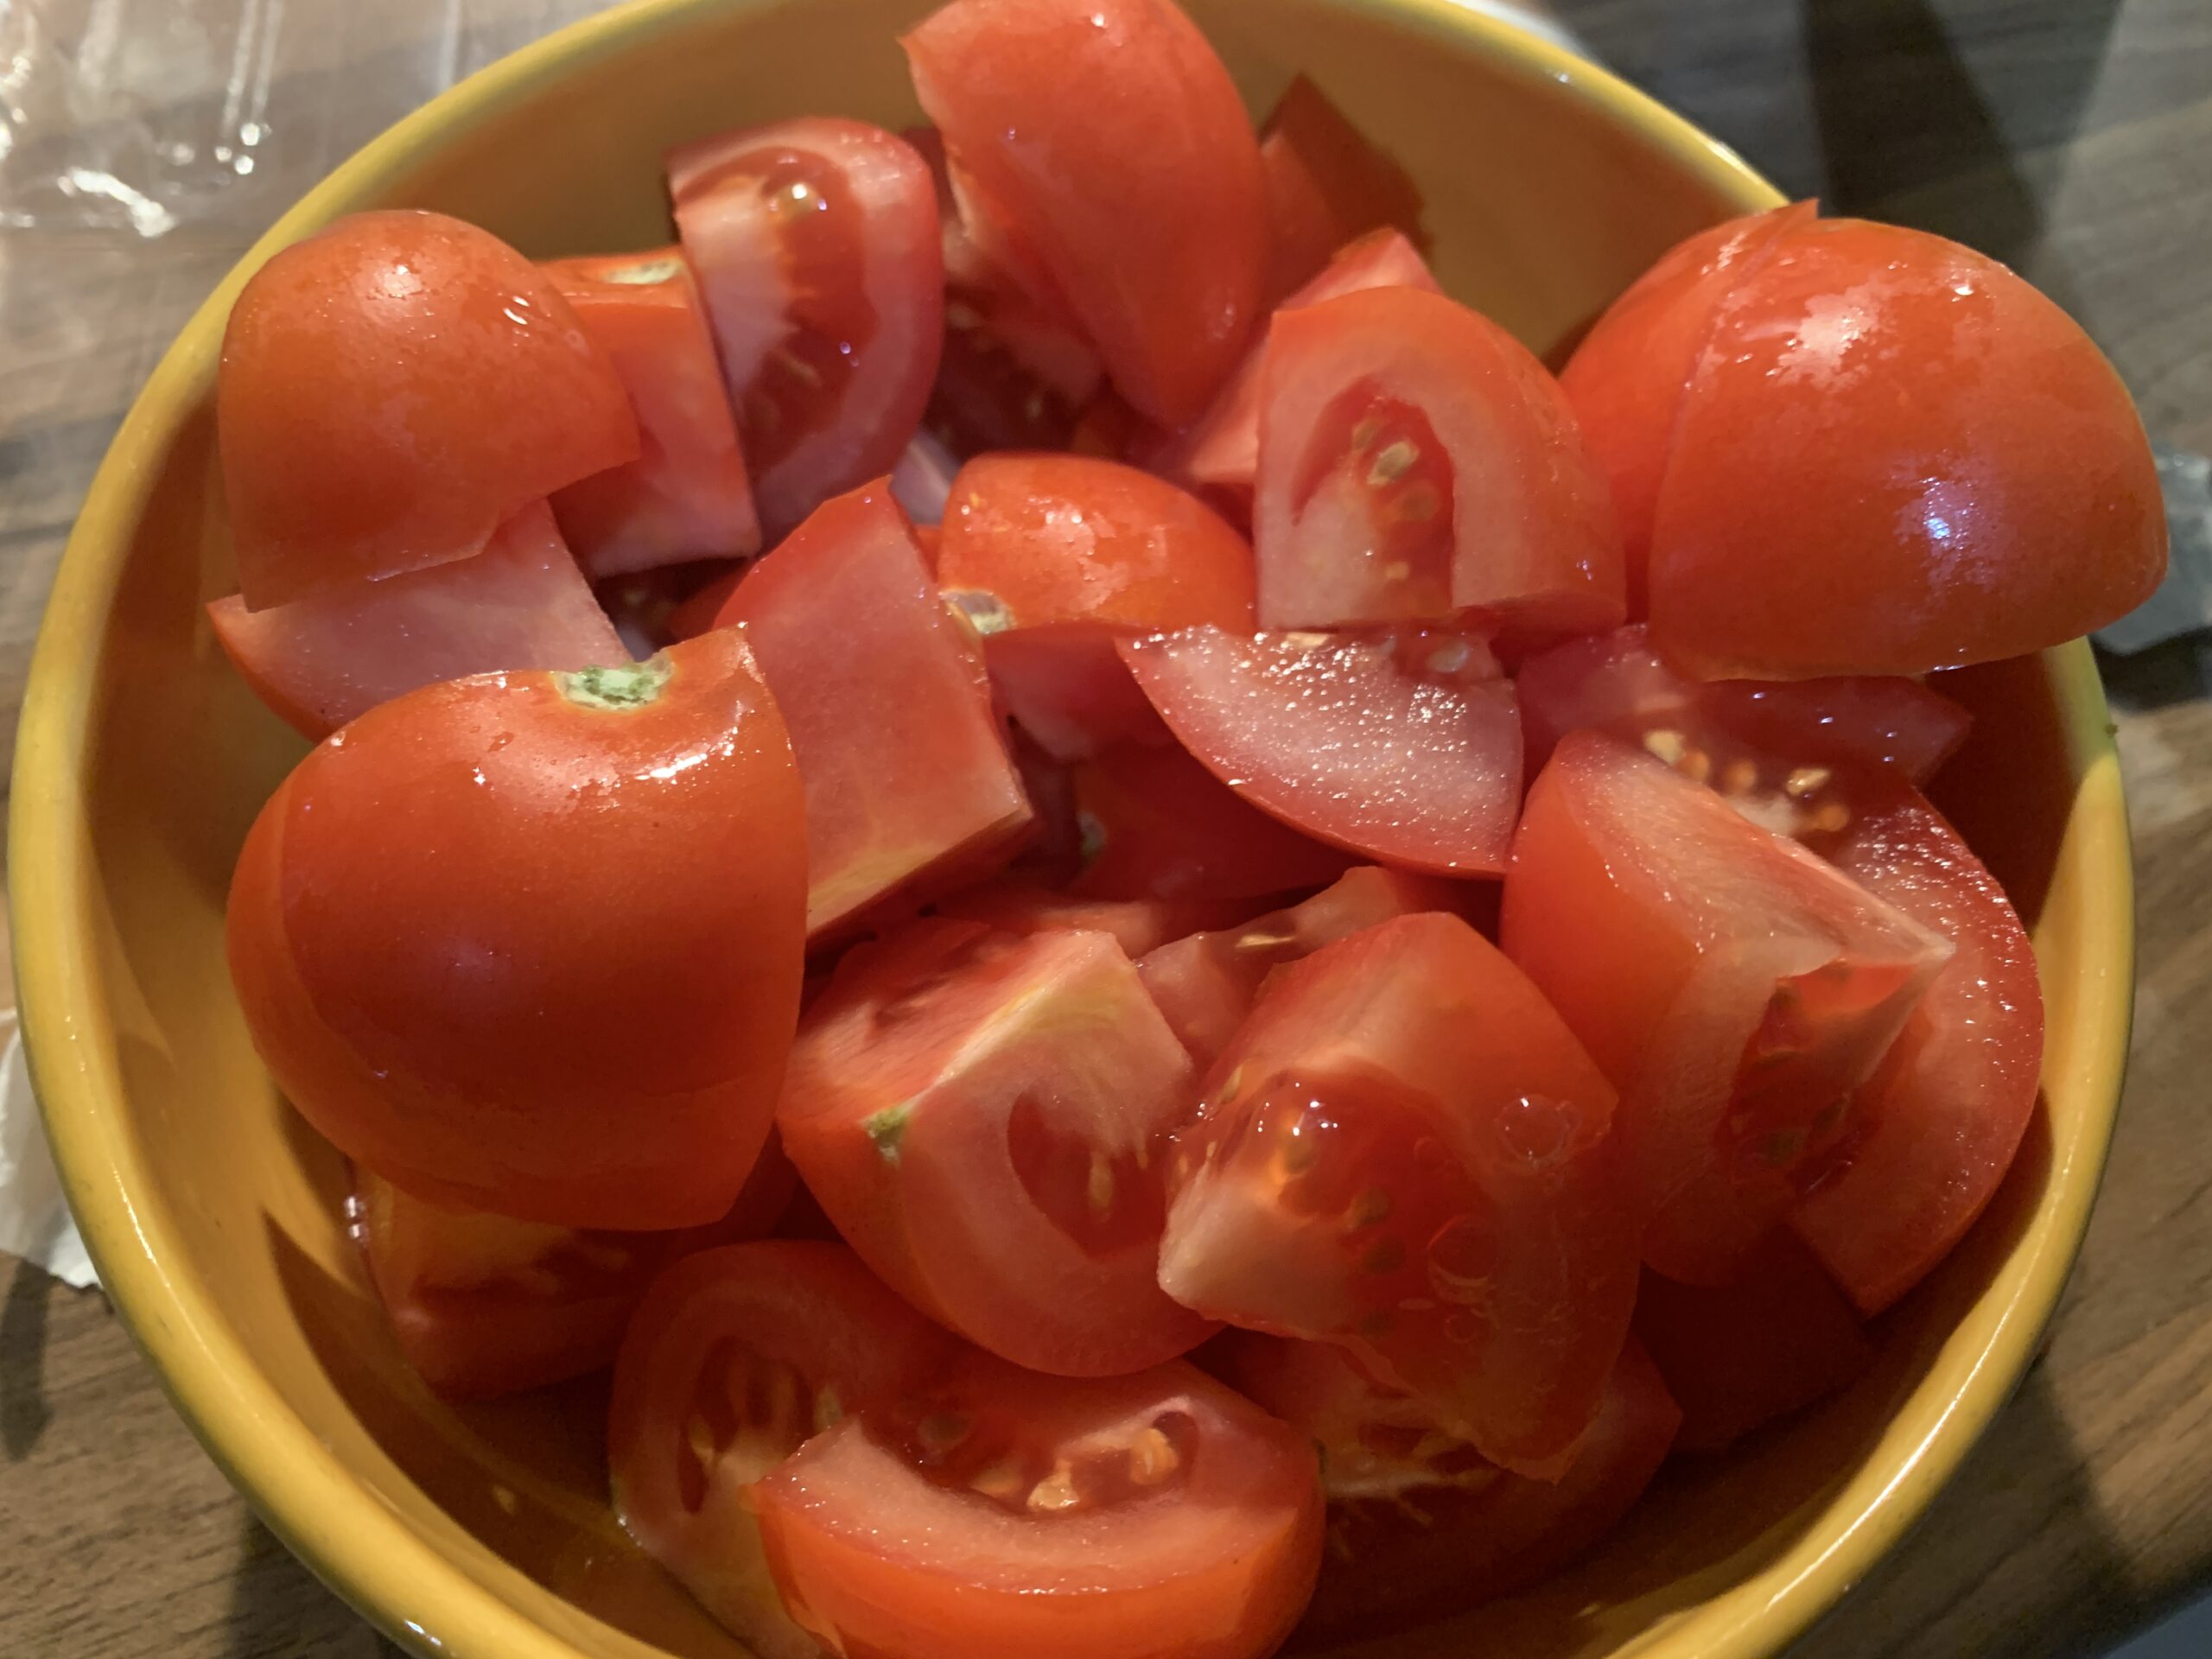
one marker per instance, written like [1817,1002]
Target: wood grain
[2070,137]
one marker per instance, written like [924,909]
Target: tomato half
[1153,1516]
[1947,471]
[984,1116]
[1204,982]
[323,660]
[816,246]
[1936,1127]
[1421,1525]
[907,782]
[571,1000]
[1156,825]
[484,1304]
[1404,1150]
[1137,924]
[1222,448]
[736,1358]
[1735,989]
[1628,378]
[1416,461]
[687,496]
[392,390]
[1103,140]
[1405,748]
[1327,185]
[1737,1357]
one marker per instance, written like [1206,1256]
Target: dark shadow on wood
[24,1412]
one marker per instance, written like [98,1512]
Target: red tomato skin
[828,324]
[905,1109]
[1938,1124]
[1406,750]
[687,496]
[695,614]
[326,659]
[1737,1357]
[1138,925]
[1135,186]
[609,1061]
[908,784]
[885,1563]
[1327,185]
[1533,543]
[1964,473]
[1628,377]
[391,390]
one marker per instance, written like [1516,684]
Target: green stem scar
[888,1128]
[617,687]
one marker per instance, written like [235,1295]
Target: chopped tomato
[1421,1524]
[1053,557]
[922,482]
[1954,470]
[1415,461]
[570,1002]
[1156,825]
[1628,376]
[736,1358]
[1405,1151]
[1137,924]
[1936,1127]
[1327,184]
[907,782]
[1153,1516]
[484,1305]
[1205,983]
[696,612]
[984,1116]
[1404,747]
[321,661]
[1740,1357]
[392,390]
[1735,989]
[687,495]
[1105,156]
[816,246]
[1222,448]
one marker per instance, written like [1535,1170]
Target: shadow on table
[24,1412]
[281,1610]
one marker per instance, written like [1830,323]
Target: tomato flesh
[1138,925]
[1327,185]
[1403,1150]
[321,661]
[908,784]
[1157,1516]
[1735,989]
[984,1116]
[1936,1127]
[817,250]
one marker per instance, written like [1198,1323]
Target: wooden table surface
[2072,139]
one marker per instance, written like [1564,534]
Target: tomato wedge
[736,1356]
[1404,1150]
[1936,1127]
[1421,1525]
[484,1305]
[687,495]
[392,390]
[1405,748]
[922,484]
[1102,143]
[816,246]
[1137,924]
[324,660]
[1156,825]
[1735,989]
[984,1116]
[1737,1357]
[907,782]
[1327,185]
[1205,983]
[1222,448]
[1153,1516]
[1415,461]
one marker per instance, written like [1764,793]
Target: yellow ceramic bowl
[214,1214]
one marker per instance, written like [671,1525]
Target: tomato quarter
[1327,185]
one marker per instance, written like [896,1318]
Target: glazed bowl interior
[215,1216]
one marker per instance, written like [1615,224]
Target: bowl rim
[367,1552]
